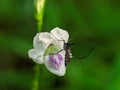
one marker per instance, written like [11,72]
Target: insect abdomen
[67,58]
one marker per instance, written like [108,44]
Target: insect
[67,48]
[78,51]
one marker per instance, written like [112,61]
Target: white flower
[47,50]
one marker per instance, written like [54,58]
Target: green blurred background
[89,21]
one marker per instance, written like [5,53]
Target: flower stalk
[39,11]
[36,77]
[38,14]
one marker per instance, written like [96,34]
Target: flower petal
[56,64]
[41,42]
[58,44]
[36,56]
[60,34]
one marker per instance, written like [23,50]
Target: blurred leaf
[114,83]
[15,79]
[14,44]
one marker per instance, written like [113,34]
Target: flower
[48,49]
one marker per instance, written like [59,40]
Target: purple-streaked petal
[56,64]
[56,60]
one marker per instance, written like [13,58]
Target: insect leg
[56,52]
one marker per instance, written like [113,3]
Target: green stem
[39,11]
[39,26]
[36,77]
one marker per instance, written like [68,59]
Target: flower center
[50,49]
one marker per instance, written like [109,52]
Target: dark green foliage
[87,21]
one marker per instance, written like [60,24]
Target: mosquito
[67,47]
